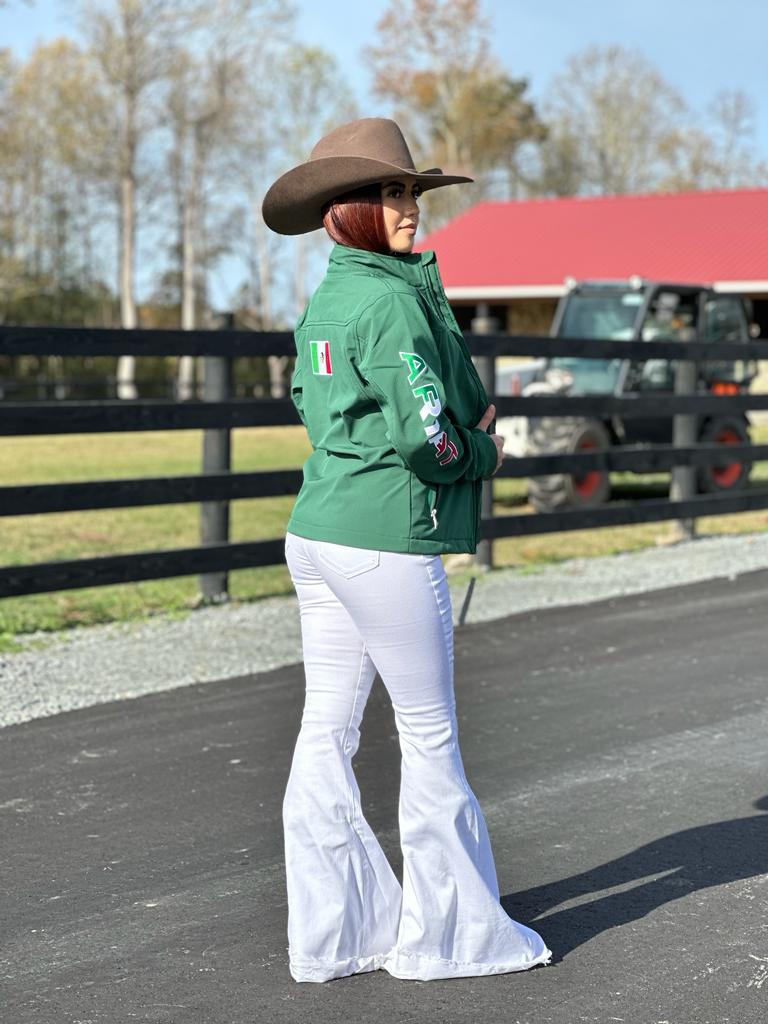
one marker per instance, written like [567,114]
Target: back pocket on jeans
[347,562]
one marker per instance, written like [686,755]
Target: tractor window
[609,315]
[601,315]
[724,319]
[671,316]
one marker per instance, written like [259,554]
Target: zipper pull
[433,513]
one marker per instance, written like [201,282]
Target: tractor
[637,310]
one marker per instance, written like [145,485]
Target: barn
[511,260]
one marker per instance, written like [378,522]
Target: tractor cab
[634,310]
[639,310]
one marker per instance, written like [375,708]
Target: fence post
[684,434]
[217,452]
[486,368]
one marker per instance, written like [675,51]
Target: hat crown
[373,138]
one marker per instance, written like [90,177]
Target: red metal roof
[499,249]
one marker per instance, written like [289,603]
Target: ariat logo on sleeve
[445,450]
[416,365]
[321,358]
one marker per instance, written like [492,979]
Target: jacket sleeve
[400,362]
[297,391]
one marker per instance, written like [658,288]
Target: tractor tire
[727,476]
[559,436]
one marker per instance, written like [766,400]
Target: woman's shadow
[697,858]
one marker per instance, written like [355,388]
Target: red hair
[357,220]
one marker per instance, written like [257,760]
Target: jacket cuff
[488,453]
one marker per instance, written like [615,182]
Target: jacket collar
[410,267]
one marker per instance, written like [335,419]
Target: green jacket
[390,397]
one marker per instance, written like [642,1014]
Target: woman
[398,421]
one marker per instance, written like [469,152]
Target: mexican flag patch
[321,358]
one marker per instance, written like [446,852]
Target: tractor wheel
[560,436]
[723,476]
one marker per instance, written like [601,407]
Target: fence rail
[82,341]
[218,414]
[87,341]
[65,417]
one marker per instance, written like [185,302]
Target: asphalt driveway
[618,750]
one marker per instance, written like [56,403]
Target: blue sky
[700,46]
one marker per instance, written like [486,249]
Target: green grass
[28,539]
[42,538]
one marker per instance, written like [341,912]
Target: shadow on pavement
[697,858]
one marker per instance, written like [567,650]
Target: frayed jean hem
[406,966]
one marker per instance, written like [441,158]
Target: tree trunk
[263,264]
[126,365]
[185,384]
[277,367]
[276,364]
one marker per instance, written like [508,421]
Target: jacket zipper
[433,510]
[448,319]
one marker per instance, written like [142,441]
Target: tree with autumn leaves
[456,104]
[608,123]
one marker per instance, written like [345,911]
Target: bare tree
[558,165]
[129,44]
[257,164]
[11,267]
[50,206]
[733,160]
[197,105]
[260,157]
[614,124]
[315,100]
[225,40]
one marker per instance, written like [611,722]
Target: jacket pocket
[345,561]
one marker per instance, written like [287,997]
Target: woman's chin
[402,246]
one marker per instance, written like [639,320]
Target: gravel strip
[94,665]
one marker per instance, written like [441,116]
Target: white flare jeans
[363,611]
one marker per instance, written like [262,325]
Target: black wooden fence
[218,413]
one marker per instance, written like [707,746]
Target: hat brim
[294,204]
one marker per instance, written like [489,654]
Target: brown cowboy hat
[356,154]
